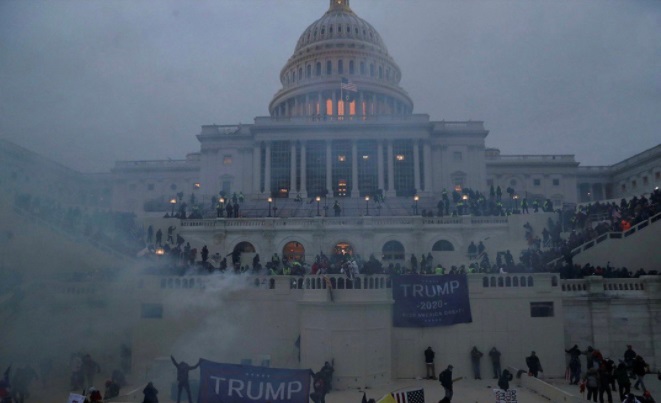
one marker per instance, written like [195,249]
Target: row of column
[311,105]
[355,191]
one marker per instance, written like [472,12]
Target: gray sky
[90,82]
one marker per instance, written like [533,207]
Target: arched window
[443,246]
[300,73]
[318,69]
[372,70]
[340,67]
[362,68]
[308,71]
[351,67]
[329,68]
[393,250]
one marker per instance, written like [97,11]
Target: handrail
[609,235]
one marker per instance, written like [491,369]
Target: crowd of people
[603,374]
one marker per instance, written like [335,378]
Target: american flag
[410,396]
[348,85]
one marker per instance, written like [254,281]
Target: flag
[387,399]
[347,85]
[409,396]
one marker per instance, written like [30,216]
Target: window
[318,69]
[645,181]
[300,73]
[381,72]
[457,156]
[536,182]
[371,70]
[227,160]
[351,67]
[329,68]
[308,71]
[443,246]
[556,182]
[151,311]
[363,71]
[541,309]
[340,67]
[633,184]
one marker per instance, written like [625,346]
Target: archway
[294,251]
[243,253]
[443,246]
[393,251]
[342,250]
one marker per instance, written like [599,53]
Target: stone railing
[532,158]
[316,222]
[612,286]
[316,119]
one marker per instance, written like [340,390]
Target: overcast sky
[90,82]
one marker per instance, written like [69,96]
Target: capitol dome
[340,69]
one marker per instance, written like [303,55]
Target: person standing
[476,356]
[429,363]
[182,378]
[445,378]
[639,368]
[494,354]
[574,365]
[592,384]
[534,365]
[623,382]
[504,380]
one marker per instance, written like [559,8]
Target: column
[267,170]
[354,169]
[307,109]
[329,169]
[379,165]
[292,170]
[304,189]
[391,171]
[426,152]
[375,107]
[256,167]
[360,107]
[416,165]
[295,109]
[334,98]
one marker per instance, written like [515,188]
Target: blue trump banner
[232,383]
[426,301]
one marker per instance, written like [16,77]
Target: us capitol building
[341,130]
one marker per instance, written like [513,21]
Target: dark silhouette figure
[504,380]
[151,394]
[182,378]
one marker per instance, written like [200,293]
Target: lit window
[227,160]
[399,157]
[341,158]
[196,185]
[366,157]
